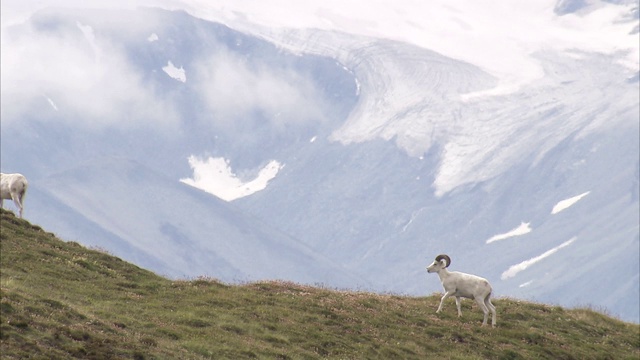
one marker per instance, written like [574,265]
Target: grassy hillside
[61,300]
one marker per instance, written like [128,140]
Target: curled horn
[446,258]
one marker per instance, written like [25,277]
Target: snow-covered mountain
[345,157]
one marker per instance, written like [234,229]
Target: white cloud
[91,77]
[215,176]
[524,228]
[86,74]
[564,204]
[515,269]
[234,90]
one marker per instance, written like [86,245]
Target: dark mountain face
[384,165]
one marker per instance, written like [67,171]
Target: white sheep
[463,285]
[13,187]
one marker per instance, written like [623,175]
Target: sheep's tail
[23,192]
[489,297]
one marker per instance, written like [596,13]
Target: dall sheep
[463,285]
[13,187]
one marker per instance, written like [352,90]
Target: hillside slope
[62,300]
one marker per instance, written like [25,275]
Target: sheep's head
[441,262]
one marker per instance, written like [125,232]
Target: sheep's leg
[480,302]
[487,302]
[444,297]
[458,306]
[16,200]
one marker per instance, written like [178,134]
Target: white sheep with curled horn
[459,284]
[13,187]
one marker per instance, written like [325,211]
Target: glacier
[389,149]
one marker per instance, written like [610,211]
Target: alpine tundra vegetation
[61,300]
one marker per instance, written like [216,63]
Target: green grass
[60,300]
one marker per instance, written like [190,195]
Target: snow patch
[414,215]
[524,228]
[88,33]
[174,72]
[525,284]
[153,37]
[564,204]
[53,105]
[215,176]
[515,269]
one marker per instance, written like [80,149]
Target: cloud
[89,78]
[235,90]
[75,74]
